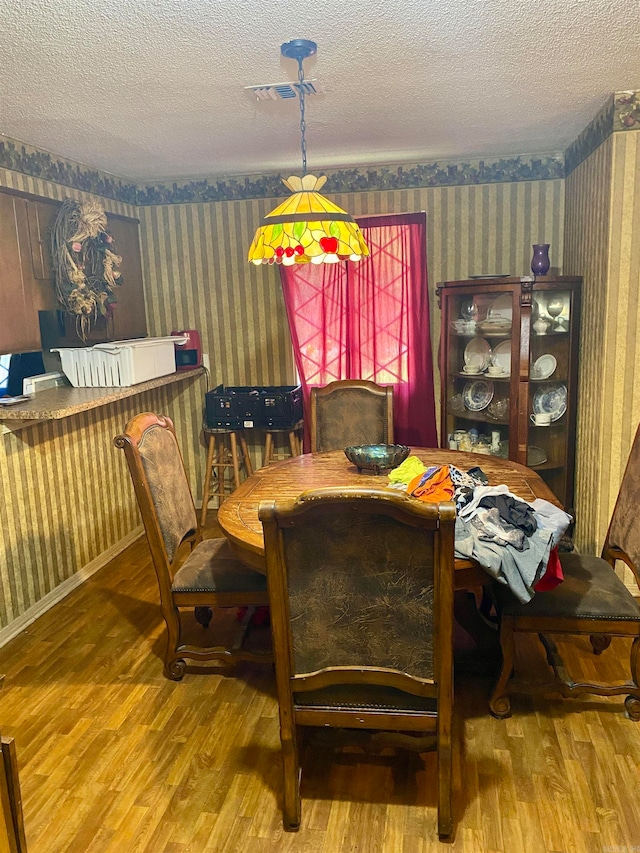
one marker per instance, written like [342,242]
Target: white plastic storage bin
[119,363]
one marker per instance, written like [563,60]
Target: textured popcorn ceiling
[154,89]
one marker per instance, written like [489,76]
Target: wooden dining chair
[361,597]
[351,412]
[192,572]
[592,600]
[12,834]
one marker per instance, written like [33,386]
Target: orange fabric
[437,488]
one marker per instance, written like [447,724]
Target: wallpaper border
[26,160]
[621,112]
[368,179]
[19,157]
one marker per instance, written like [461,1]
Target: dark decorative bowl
[376,458]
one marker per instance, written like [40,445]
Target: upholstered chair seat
[366,697]
[212,567]
[590,590]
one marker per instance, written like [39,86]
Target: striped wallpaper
[601,243]
[67,492]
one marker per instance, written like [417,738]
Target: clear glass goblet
[469,311]
[555,307]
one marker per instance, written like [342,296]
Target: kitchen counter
[56,403]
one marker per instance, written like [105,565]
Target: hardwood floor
[113,757]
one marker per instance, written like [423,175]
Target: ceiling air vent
[283,91]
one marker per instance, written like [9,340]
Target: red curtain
[370,320]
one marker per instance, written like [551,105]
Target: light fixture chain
[303,124]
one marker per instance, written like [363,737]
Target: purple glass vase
[540,262]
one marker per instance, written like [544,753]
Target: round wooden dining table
[238,515]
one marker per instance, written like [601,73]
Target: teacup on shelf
[541,418]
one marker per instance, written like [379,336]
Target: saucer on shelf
[544,367]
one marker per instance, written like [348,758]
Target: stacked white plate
[477,356]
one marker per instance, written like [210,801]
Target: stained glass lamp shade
[307,227]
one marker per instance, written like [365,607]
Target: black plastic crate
[232,407]
[281,406]
[248,407]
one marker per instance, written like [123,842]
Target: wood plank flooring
[116,759]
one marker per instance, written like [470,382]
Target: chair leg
[499,703]
[220,462]
[234,460]
[203,616]
[599,642]
[268,449]
[174,666]
[445,817]
[632,702]
[291,771]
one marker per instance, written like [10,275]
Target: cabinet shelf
[466,335]
[548,466]
[520,301]
[481,417]
[486,376]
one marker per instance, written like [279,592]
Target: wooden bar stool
[274,436]
[220,459]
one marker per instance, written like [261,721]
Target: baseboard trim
[62,591]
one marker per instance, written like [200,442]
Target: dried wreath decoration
[85,262]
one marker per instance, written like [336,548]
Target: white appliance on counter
[118,364]
[42,382]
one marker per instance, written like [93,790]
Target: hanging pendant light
[307,227]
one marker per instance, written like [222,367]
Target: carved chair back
[351,412]
[163,492]
[623,537]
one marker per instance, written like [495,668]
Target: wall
[69,498]
[482,218]
[602,228]
[68,503]
[197,275]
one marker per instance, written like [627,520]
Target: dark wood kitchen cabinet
[19,327]
[28,301]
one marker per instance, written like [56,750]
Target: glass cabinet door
[551,387]
[479,366]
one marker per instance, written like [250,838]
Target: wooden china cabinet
[509,371]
